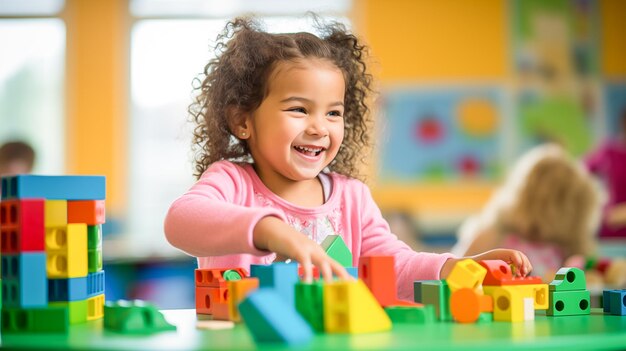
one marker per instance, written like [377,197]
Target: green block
[94,236]
[134,317]
[411,314]
[231,274]
[568,279]
[94,260]
[569,303]
[336,248]
[437,293]
[417,289]
[35,320]
[310,303]
[485,317]
[77,310]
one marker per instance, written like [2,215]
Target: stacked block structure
[51,245]
[568,293]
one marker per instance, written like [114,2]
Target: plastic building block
[238,290]
[466,274]
[310,303]
[54,187]
[569,303]
[316,272]
[214,277]
[95,307]
[378,273]
[485,317]
[606,301]
[67,251]
[336,248]
[437,293]
[134,317]
[24,280]
[22,227]
[94,260]
[35,320]
[280,276]
[539,294]
[94,236]
[466,305]
[208,297]
[67,289]
[417,289]
[271,319]
[90,212]
[350,307]
[95,284]
[77,310]
[411,314]
[508,303]
[568,279]
[499,273]
[353,271]
[55,213]
[617,302]
[529,308]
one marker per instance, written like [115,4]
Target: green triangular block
[336,248]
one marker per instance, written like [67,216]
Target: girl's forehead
[285,66]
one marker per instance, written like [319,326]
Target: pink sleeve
[379,241]
[216,216]
[596,159]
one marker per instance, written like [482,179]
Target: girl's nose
[317,126]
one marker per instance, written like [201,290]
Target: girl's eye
[335,113]
[298,109]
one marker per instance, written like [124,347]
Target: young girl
[548,207]
[282,126]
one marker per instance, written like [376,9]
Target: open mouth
[309,151]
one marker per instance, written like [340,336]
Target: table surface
[595,331]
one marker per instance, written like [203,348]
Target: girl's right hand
[274,235]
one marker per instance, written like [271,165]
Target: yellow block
[508,302]
[66,249]
[55,213]
[237,291]
[350,307]
[539,294]
[95,307]
[466,274]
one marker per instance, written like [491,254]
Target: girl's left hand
[514,257]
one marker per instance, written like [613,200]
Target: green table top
[596,331]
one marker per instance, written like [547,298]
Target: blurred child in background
[549,208]
[609,162]
[16,157]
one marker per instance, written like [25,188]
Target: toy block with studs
[539,293]
[466,274]
[66,248]
[350,307]
[279,276]
[614,302]
[499,273]
[55,213]
[95,307]
[90,212]
[310,303]
[237,291]
[437,293]
[95,284]
[336,248]
[218,277]
[35,320]
[24,280]
[378,273]
[54,187]
[134,317]
[77,310]
[411,314]
[271,319]
[22,225]
[67,289]
[508,303]
[568,279]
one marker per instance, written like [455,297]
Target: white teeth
[308,150]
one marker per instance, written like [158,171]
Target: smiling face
[298,128]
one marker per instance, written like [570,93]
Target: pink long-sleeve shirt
[214,221]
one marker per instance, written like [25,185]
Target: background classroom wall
[435,61]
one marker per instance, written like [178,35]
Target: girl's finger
[308,270]
[340,271]
[326,271]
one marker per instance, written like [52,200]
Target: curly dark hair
[238,78]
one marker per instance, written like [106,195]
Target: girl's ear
[238,122]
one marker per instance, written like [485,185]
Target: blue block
[618,302]
[54,187]
[69,289]
[95,284]
[271,319]
[353,271]
[279,276]
[24,280]
[606,301]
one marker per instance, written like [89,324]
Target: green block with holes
[411,314]
[310,303]
[336,248]
[569,303]
[568,279]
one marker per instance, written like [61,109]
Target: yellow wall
[97,92]
[613,38]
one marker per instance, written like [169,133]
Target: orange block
[238,290]
[90,212]
[207,298]
[377,272]
[214,277]
[466,305]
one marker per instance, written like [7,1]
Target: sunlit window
[166,55]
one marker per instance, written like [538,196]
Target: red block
[214,277]
[499,273]
[91,212]
[316,272]
[207,298]
[378,273]
[22,225]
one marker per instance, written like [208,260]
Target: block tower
[51,245]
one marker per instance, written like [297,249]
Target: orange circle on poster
[477,117]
